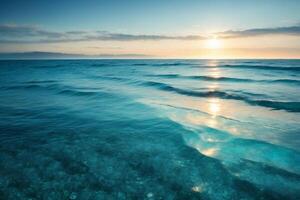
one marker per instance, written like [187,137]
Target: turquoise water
[150,129]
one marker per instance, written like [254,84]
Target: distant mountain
[57,55]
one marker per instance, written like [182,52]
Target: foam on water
[150,129]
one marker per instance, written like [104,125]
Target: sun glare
[213,43]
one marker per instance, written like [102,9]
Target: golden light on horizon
[213,43]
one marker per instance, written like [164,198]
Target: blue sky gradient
[156,16]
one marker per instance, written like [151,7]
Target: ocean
[150,129]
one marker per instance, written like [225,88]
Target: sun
[213,43]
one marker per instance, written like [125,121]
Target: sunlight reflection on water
[214,106]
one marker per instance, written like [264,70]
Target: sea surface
[150,129]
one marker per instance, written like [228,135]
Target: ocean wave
[292,81]
[275,105]
[289,156]
[225,79]
[262,67]
[113,78]
[59,89]
[32,85]
[140,64]
[165,64]
[102,65]
[212,93]
[173,64]
[204,78]
[196,110]
[40,82]
[74,92]
[246,65]
[49,66]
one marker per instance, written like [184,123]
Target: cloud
[292,30]
[59,55]
[26,31]
[130,37]
[33,34]
[105,47]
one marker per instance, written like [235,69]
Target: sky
[156,28]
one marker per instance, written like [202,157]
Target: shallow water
[150,129]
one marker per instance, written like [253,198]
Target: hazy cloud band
[32,34]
